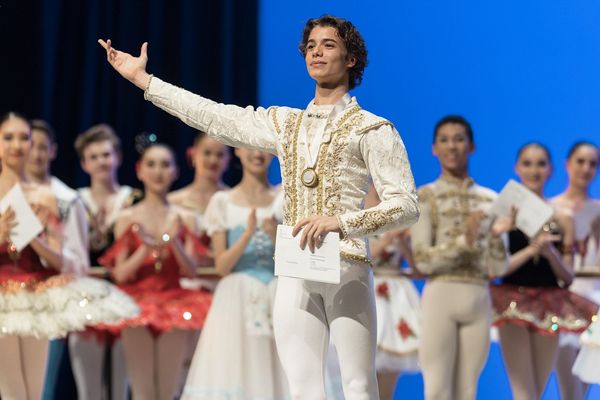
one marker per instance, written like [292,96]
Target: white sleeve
[385,156]
[75,255]
[230,124]
[215,214]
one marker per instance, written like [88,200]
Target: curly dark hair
[353,40]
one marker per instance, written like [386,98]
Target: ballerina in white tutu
[37,302]
[581,165]
[236,357]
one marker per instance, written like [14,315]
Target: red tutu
[547,310]
[163,303]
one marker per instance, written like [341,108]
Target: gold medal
[309,177]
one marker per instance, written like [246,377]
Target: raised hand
[543,243]
[269,225]
[252,223]
[131,68]
[503,224]
[7,224]
[473,224]
[42,213]
[174,228]
[146,236]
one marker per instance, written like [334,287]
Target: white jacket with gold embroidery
[438,239]
[356,147]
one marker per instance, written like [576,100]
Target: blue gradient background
[519,71]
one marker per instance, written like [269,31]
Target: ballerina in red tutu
[533,305]
[157,245]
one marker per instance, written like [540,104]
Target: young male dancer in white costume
[329,154]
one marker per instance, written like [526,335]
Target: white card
[532,211]
[290,260]
[28,225]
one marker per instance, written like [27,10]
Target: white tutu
[398,324]
[590,289]
[587,364]
[236,357]
[65,304]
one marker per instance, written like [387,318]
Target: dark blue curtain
[52,67]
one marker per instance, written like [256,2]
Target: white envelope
[292,261]
[532,211]
[28,225]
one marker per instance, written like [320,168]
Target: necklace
[159,252]
[309,176]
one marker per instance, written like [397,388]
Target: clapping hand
[269,225]
[7,223]
[174,228]
[251,223]
[473,224]
[503,224]
[543,243]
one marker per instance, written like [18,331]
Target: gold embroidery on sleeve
[372,221]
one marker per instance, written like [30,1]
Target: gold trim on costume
[355,257]
[275,120]
[551,323]
[36,286]
[376,125]
[372,220]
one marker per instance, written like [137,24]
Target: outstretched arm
[230,124]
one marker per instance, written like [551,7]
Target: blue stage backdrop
[519,71]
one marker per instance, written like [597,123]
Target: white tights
[87,361]
[22,367]
[306,313]
[456,338]
[154,364]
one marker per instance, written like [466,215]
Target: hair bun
[144,140]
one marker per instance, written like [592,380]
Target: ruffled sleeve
[215,217]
